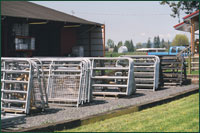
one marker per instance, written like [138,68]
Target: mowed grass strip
[178,116]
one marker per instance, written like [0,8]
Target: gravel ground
[57,113]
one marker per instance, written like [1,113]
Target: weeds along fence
[112,76]
[146,71]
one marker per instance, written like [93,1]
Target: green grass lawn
[178,116]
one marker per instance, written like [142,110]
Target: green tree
[167,45]
[162,45]
[149,43]
[138,45]
[129,45]
[132,46]
[115,49]
[120,43]
[156,42]
[178,6]
[110,43]
[180,40]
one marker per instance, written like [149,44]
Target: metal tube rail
[63,68]
[20,72]
[143,66]
[107,81]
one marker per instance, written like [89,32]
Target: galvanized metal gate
[146,71]
[173,70]
[68,81]
[112,76]
[17,89]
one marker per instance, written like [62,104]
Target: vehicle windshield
[173,50]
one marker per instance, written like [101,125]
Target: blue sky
[136,20]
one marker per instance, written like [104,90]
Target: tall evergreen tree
[154,41]
[162,45]
[115,49]
[158,42]
[129,45]
[149,43]
[110,43]
[120,43]
[132,46]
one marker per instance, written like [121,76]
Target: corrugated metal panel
[97,53]
[26,9]
[96,47]
[97,42]
[91,40]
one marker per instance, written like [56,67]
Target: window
[179,50]
[22,39]
[173,50]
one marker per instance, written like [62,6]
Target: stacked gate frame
[85,93]
[129,86]
[31,69]
[155,65]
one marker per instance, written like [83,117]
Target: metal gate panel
[112,76]
[146,71]
[17,89]
[68,80]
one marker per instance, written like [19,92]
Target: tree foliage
[110,43]
[177,6]
[115,49]
[132,46]
[180,40]
[156,42]
[162,45]
[120,43]
[129,45]
[138,45]
[149,43]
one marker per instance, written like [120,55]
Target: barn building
[29,29]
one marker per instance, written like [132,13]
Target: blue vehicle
[173,50]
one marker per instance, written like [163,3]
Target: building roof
[196,13]
[182,27]
[24,9]
[185,25]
